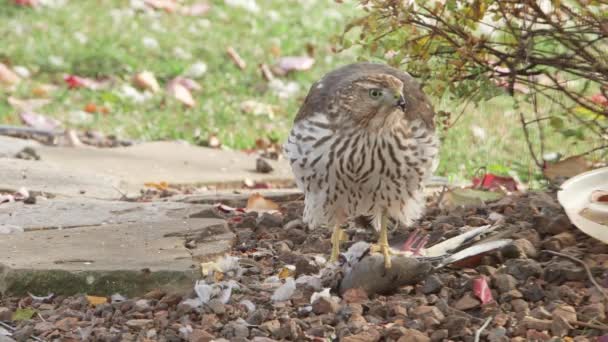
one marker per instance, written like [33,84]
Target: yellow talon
[336,237]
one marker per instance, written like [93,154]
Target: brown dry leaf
[189,83]
[8,76]
[234,56]
[146,80]
[257,202]
[94,300]
[43,90]
[162,186]
[181,93]
[566,168]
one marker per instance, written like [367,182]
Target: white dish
[575,196]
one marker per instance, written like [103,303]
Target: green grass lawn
[108,38]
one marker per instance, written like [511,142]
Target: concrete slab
[69,213]
[100,172]
[128,258]
[56,179]
[10,146]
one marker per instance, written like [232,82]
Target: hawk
[362,144]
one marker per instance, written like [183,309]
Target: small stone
[270,220]
[560,270]
[522,269]
[142,305]
[535,323]
[467,302]
[590,312]
[355,295]
[139,323]
[413,335]
[23,333]
[217,306]
[430,315]
[43,327]
[533,292]
[324,305]
[263,166]
[476,221]
[5,314]
[560,326]
[439,335]
[520,305]
[371,335]
[566,311]
[504,282]
[66,324]
[498,334]
[272,326]
[487,270]
[155,294]
[456,325]
[432,284]
[520,248]
[552,224]
[560,241]
[501,319]
[541,313]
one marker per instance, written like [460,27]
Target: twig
[528,142]
[589,325]
[266,73]
[236,58]
[478,332]
[589,274]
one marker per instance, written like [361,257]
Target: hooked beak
[401,102]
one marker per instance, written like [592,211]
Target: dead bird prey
[363,143]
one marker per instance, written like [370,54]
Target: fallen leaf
[161,186]
[482,290]
[287,271]
[75,82]
[288,64]
[39,121]
[43,90]
[27,105]
[196,9]
[181,93]
[8,76]
[234,56]
[491,181]
[166,5]
[22,314]
[566,168]
[189,83]
[257,108]
[257,202]
[146,80]
[94,300]
[468,197]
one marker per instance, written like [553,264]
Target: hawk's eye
[375,93]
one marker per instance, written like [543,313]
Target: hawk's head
[371,100]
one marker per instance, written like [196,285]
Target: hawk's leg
[382,245]
[336,237]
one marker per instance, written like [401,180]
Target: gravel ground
[535,295]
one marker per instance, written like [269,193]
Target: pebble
[498,334]
[504,282]
[590,312]
[520,248]
[5,314]
[412,335]
[535,323]
[217,306]
[138,323]
[263,166]
[371,335]
[533,292]
[432,284]
[522,269]
[467,302]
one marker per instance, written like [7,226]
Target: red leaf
[74,81]
[482,290]
[599,99]
[493,182]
